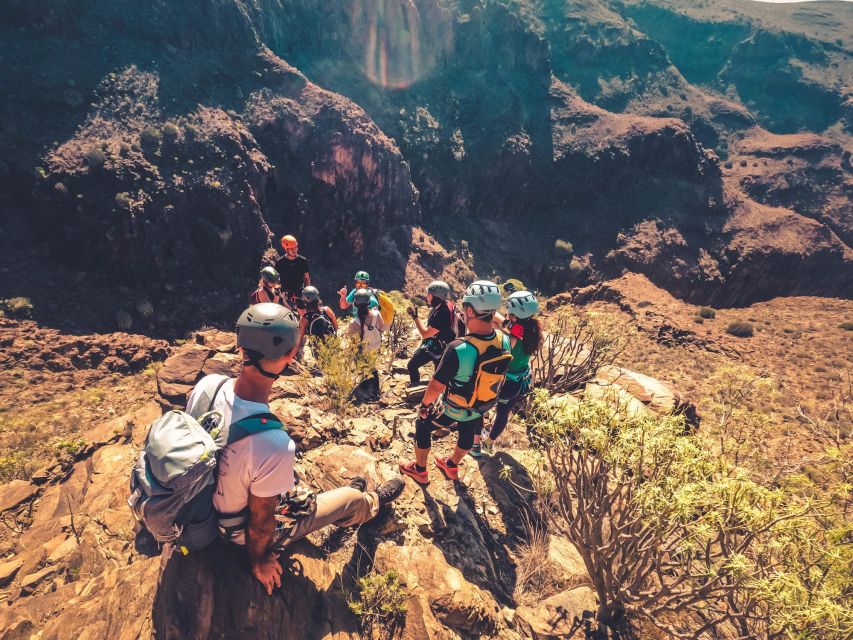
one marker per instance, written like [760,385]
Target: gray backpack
[172,483]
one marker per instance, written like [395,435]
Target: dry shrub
[344,365]
[575,345]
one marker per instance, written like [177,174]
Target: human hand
[342,291]
[412,312]
[268,571]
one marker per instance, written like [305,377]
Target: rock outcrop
[73,565]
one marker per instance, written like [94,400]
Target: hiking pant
[429,351]
[467,430]
[511,393]
[344,507]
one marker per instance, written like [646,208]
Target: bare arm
[433,391]
[498,320]
[332,318]
[260,533]
[306,278]
[426,332]
[343,301]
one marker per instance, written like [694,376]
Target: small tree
[575,346]
[398,336]
[668,532]
[344,365]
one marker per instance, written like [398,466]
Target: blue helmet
[522,304]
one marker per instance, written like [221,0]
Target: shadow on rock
[211,594]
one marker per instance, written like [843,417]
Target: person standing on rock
[525,336]
[362,281]
[257,498]
[437,333]
[293,269]
[465,385]
[367,327]
[269,288]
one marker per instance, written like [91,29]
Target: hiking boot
[452,473]
[475,451]
[390,491]
[421,477]
[359,483]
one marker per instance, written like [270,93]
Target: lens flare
[400,44]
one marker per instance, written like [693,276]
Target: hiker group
[224,467]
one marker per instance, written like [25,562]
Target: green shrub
[344,366]
[379,603]
[706,312]
[565,247]
[150,137]
[698,320]
[19,307]
[123,200]
[740,329]
[95,158]
[847,326]
[170,130]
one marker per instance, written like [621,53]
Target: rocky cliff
[175,140]
[72,564]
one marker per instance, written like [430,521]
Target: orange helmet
[288,242]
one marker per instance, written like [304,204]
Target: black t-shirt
[441,319]
[292,272]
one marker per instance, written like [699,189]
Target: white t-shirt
[261,463]
[373,328]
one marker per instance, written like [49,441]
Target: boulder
[226,364]
[439,589]
[8,570]
[336,465]
[559,617]
[14,493]
[181,371]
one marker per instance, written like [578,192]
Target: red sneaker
[452,473]
[421,477]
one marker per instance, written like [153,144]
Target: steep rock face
[808,173]
[158,185]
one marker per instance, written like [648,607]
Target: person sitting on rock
[257,498]
[269,288]
[525,336]
[362,281]
[437,333]
[293,268]
[465,384]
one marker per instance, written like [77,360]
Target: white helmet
[522,304]
[484,296]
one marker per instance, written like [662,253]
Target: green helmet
[522,304]
[362,276]
[484,296]
[439,289]
[310,294]
[361,296]
[269,329]
[269,275]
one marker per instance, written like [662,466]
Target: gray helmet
[269,329]
[269,275]
[522,304]
[310,294]
[361,296]
[439,289]
[484,296]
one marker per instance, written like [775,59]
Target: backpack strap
[215,393]
[253,424]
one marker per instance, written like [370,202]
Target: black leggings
[511,394]
[424,354]
[467,430]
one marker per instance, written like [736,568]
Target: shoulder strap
[215,393]
[253,424]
